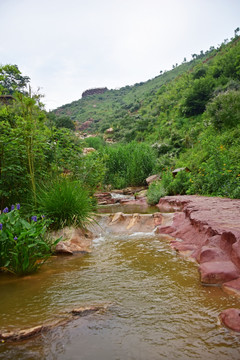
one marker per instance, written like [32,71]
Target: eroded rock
[210,232]
[231,319]
[216,272]
[75,240]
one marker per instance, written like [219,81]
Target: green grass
[65,202]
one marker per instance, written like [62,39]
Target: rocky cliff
[94,91]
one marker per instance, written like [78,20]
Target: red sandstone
[208,229]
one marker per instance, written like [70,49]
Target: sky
[69,46]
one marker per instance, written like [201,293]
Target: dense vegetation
[188,117]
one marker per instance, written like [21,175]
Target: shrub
[179,184]
[155,191]
[198,96]
[96,142]
[65,202]
[24,246]
[224,110]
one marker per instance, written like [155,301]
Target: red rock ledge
[208,230]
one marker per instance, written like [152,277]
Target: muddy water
[159,308]
[127,209]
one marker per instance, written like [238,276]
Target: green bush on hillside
[224,110]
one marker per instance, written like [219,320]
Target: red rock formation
[208,230]
[231,318]
[86,125]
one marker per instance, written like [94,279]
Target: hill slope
[190,115]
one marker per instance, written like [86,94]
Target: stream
[158,308]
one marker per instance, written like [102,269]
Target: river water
[158,308]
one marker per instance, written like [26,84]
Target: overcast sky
[68,46]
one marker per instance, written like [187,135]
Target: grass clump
[65,202]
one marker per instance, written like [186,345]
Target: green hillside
[190,116]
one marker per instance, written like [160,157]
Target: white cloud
[69,46]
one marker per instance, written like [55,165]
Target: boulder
[75,240]
[231,319]
[151,179]
[215,272]
[105,198]
[109,131]
[232,287]
[88,150]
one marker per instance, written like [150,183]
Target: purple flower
[15,238]
[34,218]
[5,210]
[18,206]
[12,207]
[43,216]
[1,226]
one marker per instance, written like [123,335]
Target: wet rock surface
[24,334]
[231,319]
[127,223]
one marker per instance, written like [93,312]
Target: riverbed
[158,308]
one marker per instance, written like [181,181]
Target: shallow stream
[159,309]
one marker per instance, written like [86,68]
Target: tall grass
[129,164]
[65,202]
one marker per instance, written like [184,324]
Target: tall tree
[11,80]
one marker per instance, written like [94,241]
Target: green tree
[11,79]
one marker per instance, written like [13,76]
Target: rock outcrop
[94,91]
[208,230]
[127,224]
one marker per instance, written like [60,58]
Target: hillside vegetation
[186,118]
[190,117]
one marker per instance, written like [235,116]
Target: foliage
[129,164]
[24,245]
[224,110]
[97,142]
[155,192]
[12,80]
[65,122]
[65,202]
[22,148]
[198,96]
[91,170]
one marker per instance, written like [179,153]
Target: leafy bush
[224,110]
[180,184]
[155,191]
[64,122]
[24,246]
[65,202]
[96,142]
[198,96]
